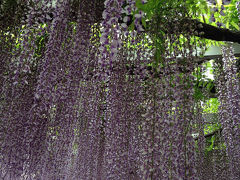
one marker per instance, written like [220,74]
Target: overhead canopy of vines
[116,89]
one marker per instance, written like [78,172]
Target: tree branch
[200,29]
[214,33]
[209,134]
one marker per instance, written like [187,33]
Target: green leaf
[209,86]
[210,148]
[139,4]
[144,22]
[227,24]
[131,27]
[235,25]
[197,94]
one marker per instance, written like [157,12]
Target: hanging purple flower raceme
[203,161]
[229,110]
[183,143]
[155,145]
[120,133]
[22,81]
[31,29]
[90,139]
[116,127]
[110,41]
[228,95]
[50,98]
[201,167]
[85,141]
[168,147]
[219,76]
[14,146]
[90,142]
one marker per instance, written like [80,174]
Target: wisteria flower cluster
[86,97]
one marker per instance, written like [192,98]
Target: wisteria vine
[87,97]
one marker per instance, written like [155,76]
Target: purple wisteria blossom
[85,96]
